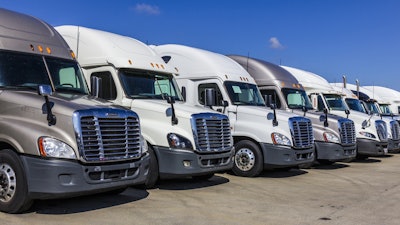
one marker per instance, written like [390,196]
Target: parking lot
[361,192]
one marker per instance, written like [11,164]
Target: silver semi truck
[56,140]
[335,137]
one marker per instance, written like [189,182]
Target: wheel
[203,177]
[153,175]
[13,185]
[248,159]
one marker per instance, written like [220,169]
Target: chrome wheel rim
[8,182]
[244,159]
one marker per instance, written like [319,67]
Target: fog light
[186,163]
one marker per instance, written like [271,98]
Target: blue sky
[356,38]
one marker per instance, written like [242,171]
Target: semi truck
[371,131]
[263,138]
[183,141]
[389,95]
[335,138]
[370,106]
[57,140]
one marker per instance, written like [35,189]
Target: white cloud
[274,43]
[148,9]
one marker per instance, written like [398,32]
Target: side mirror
[183,92]
[170,100]
[224,103]
[209,98]
[95,86]
[45,90]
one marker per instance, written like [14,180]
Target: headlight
[50,147]
[366,134]
[280,139]
[143,144]
[177,141]
[330,137]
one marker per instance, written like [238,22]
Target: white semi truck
[372,106]
[263,139]
[56,140]
[184,141]
[389,95]
[335,138]
[371,132]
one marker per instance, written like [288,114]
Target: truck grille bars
[107,134]
[381,129]
[394,126]
[302,132]
[347,131]
[212,132]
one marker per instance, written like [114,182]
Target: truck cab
[262,137]
[392,97]
[57,140]
[371,131]
[371,107]
[335,138]
[183,140]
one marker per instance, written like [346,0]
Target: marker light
[48,50]
[40,48]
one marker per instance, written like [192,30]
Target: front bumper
[368,147]
[393,146]
[56,178]
[334,151]
[175,163]
[279,156]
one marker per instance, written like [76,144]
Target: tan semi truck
[56,140]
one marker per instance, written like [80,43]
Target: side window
[107,90]
[275,97]
[68,77]
[218,94]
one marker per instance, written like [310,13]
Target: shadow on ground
[87,203]
[189,183]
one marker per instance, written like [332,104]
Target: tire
[248,158]
[153,175]
[203,177]
[13,184]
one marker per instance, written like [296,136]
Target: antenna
[247,62]
[77,43]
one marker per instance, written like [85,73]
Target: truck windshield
[139,84]
[355,104]
[385,109]
[66,76]
[296,99]
[244,93]
[335,102]
[372,107]
[28,71]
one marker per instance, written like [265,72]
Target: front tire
[13,185]
[248,159]
[153,175]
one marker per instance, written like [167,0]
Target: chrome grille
[347,131]
[302,132]
[395,128]
[107,134]
[212,132]
[381,130]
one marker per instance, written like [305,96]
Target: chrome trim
[211,132]
[347,131]
[302,132]
[107,134]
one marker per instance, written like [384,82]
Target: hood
[63,104]
[182,109]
